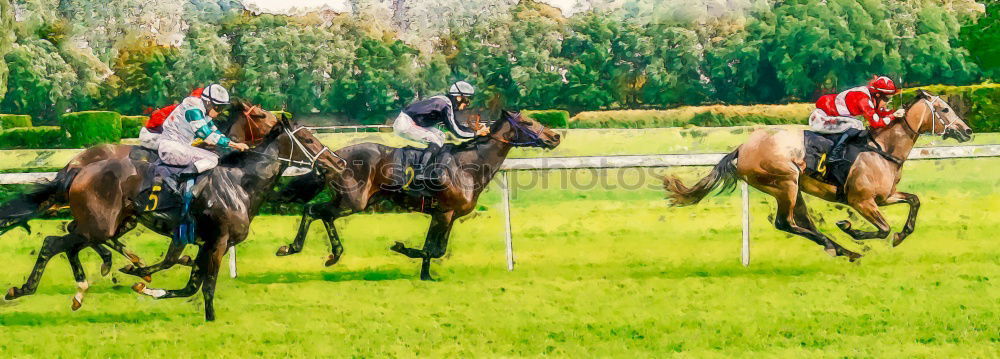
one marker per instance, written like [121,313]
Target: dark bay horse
[468,168]
[774,163]
[247,123]
[229,198]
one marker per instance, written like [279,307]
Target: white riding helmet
[216,94]
[462,88]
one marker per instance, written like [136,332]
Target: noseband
[935,118]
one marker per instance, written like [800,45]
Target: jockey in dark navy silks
[418,122]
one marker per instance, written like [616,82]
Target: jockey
[191,119]
[149,134]
[835,113]
[417,122]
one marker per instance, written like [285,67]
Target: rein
[519,129]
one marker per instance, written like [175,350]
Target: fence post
[505,194]
[746,223]
[232,262]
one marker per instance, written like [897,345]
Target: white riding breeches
[823,123]
[149,139]
[404,127]
[179,154]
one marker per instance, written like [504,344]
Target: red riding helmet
[883,84]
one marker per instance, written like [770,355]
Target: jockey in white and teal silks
[190,120]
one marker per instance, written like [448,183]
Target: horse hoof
[148,279]
[331,260]
[398,247]
[844,225]
[127,269]
[76,304]
[832,252]
[105,269]
[283,251]
[897,239]
[139,287]
[185,261]
[11,293]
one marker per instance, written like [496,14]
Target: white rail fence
[607,162]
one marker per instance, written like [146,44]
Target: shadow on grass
[60,318]
[299,277]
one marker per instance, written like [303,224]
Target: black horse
[372,177]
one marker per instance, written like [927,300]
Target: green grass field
[600,273]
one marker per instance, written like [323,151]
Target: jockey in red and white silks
[191,119]
[837,112]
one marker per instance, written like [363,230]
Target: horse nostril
[968,132]
[557,137]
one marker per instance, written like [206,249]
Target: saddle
[819,166]
[162,194]
[407,165]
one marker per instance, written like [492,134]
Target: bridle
[296,143]
[253,141]
[935,118]
[519,130]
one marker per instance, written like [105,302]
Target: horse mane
[472,143]
[921,94]
[236,158]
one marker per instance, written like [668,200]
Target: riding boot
[185,231]
[189,172]
[839,148]
[426,170]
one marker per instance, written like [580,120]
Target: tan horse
[773,161]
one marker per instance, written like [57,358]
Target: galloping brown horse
[247,123]
[774,163]
[100,198]
[467,169]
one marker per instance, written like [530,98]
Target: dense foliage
[74,55]
[12,121]
[88,128]
[32,137]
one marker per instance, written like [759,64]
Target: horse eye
[945,110]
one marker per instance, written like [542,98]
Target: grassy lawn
[600,273]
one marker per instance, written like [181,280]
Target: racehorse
[467,169]
[246,123]
[230,195]
[773,162]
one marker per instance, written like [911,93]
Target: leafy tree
[202,59]
[141,76]
[6,39]
[40,82]
[981,38]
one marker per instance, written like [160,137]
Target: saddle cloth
[160,190]
[405,166]
[818,166]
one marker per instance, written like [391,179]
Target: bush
[90,128]
[14,121]
[978,105]
[132,124]
[32,137]
[707,116]
[549,118]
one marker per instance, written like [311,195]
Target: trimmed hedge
[707,116]
[978,105]
[90,128]
[132,124]
[32,137]
[14,121]
[549,118]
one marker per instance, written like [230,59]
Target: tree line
[527,56]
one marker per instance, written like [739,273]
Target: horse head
[523,131]
[249,123]
[928,113]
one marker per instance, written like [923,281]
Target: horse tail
[724,172]
[39,198]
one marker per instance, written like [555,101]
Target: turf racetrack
[600,273]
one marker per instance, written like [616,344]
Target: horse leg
[911,219]
[105,255]
[300,237]
[172,257]
[434,245]
[791,206]
[869,210]
[336,247]
[212,275]
[52,246]
[81,278]
[194,282]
